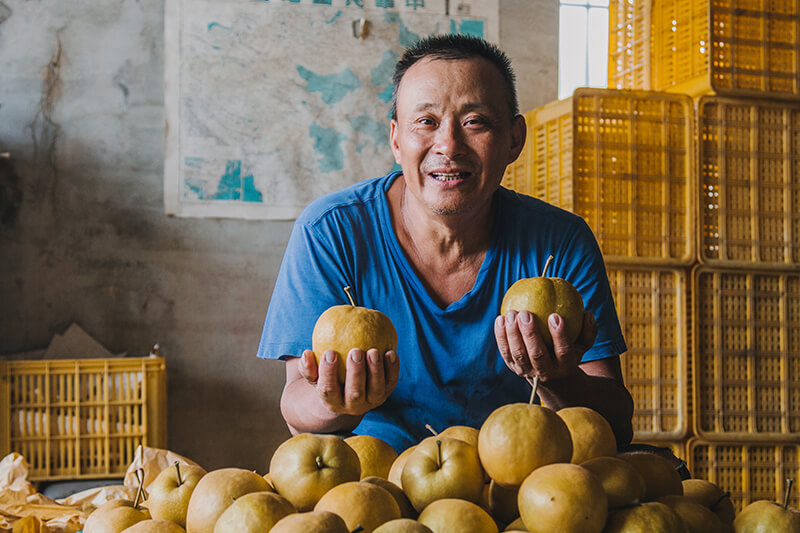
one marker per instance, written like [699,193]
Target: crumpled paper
[24,510]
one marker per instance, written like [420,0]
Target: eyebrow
[425,106]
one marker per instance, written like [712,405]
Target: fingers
[308,366]
[376,381]
[391,370]
[521,345]
[539,353]
[567,353]
[328,385]
[356,381]
[518,351]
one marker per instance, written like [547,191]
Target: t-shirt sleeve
[582,265]
[310,280]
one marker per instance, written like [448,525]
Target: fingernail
[391,356]
[306,360]
[525,317]
[555,320]
[356,356]
[500,321]
[373,357]
[511,315]
[330,356]
[592,320]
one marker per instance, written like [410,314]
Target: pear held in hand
[343,327]
[544,296]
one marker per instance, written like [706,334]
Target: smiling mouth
[448,176]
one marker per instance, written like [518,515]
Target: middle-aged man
[435,246]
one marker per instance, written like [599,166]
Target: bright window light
[582,45]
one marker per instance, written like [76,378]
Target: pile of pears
[528,468]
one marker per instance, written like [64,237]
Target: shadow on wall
[10,192]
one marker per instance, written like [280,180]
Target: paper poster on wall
[273,103]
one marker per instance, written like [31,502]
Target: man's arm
[563,380]
[314,401]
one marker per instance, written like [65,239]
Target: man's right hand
[371,378]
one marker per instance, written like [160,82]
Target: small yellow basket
[83,418]
[749,471]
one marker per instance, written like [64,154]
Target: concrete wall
[84,238]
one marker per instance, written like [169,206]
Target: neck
[460,234]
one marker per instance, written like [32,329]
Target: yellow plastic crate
[735,48]
[84,418]
[629,44]
[746,355]
[749,471]
[749,159]
[623,160]
[651,305]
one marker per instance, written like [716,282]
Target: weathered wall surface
[84,238]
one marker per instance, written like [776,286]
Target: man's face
[454,134]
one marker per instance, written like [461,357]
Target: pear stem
[547,265]
[320,464]
[439,453]
[789,483]
[349,296]
[534,387]
[178,471]
[140,488]
[430,428]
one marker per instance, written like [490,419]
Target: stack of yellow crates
[688,171]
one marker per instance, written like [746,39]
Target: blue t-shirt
[451,372]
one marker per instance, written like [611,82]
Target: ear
[519,131]
[393,141]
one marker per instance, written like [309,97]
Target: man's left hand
[526,354]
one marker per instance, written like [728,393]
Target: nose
[449,139]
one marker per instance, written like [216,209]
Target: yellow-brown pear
[306,466]
[154,526]
[562,497]
[517,438]
[403,525]
[360,504]
[452,514]
[215,492]
[375,455]
[591,434]
[114,517]
[649,517]
[311,522]
[171,491]
[543,296]
[712,496]
[660,477]
[343,327]
[621,482]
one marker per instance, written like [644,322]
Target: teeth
[447,176]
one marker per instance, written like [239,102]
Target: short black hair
[454,46]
